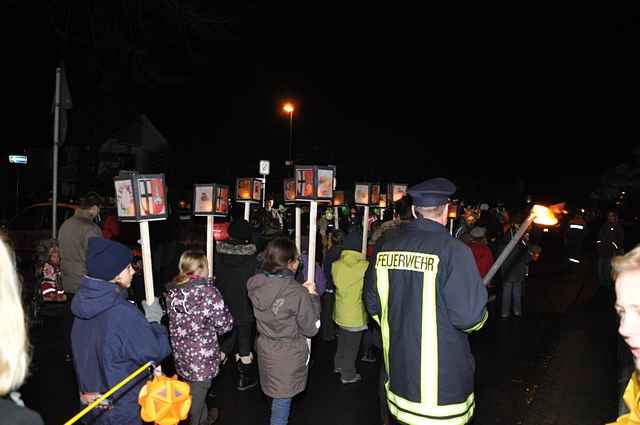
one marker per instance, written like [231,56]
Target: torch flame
[543,215]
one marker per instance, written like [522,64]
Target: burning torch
[539,215]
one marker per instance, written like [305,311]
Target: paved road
[556,365]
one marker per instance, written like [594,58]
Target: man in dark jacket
[235,263]
[424,289]
[111,338]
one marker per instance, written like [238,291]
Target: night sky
[384,92]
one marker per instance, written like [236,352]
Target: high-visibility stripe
[418,414]
[426,411]
[576,226]
[479,325]
[614,245]
[573,260]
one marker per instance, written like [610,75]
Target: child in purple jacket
[197,315]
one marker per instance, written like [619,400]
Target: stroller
[47,299]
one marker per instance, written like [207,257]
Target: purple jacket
[301,276]
[197,315]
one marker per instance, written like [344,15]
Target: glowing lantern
[165,401]
[543,215]
[290,191]
[140,197]
[210,199]
[453,210]
[314,183]
[338,198]
[396,191]
[248,189]
[383,201]
[367,194]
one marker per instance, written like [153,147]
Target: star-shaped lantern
[165,401]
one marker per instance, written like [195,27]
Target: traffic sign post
[264,170]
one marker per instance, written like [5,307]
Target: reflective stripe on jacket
[424,289]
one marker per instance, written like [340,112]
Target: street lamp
[288,108]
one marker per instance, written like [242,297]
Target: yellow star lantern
[165,401]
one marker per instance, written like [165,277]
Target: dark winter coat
[197,315]
[12,413]
[610,240]
[286,315]
[516,265]
[234,264]
[111,339]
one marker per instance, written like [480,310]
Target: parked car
[33,224]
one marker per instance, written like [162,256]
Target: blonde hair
[624,263]
[14,349]
[190,262]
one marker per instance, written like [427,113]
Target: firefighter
[576,231]
[424,289]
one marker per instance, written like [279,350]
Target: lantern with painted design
[338,198]
[248,189]
[140,197]
[395,192]
[211,199]
[290,191]
[314,182]
[383,201]
[367,194]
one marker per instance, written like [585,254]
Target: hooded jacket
[285,314]
[111,339]
[197,315]
[348,275]
[235,263]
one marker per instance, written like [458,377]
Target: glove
[152,312]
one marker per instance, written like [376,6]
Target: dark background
[506,102]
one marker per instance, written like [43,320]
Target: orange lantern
[165,401]
[338,198]
[290,191]
[248,189]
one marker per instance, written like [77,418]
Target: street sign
[264,167]
[18,159]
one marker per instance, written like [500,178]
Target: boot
[212,415]
[247,376]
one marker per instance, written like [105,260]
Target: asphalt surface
[556,365]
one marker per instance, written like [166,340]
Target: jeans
[511,291]
[199,409]
[280,408]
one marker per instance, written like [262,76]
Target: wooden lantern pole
[146,262]
[336,219]
[365,230]
[298,226]
[247,210]
[210,239]
[311,267]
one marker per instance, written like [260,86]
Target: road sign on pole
[18,159]
[264,167]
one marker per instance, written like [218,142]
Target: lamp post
[288,108]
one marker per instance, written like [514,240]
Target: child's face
[54,257]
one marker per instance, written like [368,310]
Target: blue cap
[432,193]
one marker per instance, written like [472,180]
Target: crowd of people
[411,297]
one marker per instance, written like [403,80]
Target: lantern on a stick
[142,198]
[338,201]
[210,200]
[165,401]
[248,191]
[366,194]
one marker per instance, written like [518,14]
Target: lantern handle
[108,393]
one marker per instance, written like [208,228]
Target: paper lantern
[367,194]
[290,191]
[314,183]
[211,199]
[383,201]
[395,192]
[338,198]
[165,401]
[248,189]
[140,197]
